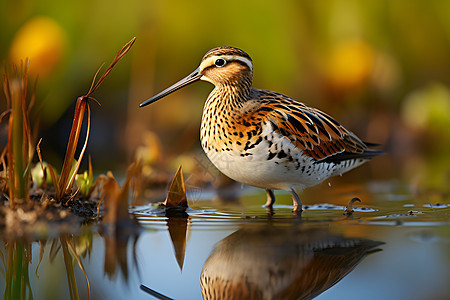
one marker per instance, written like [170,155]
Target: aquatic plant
[65,182]
[18,150]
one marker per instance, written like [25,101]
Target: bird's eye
[220,62]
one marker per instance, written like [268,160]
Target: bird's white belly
[254,172]
[275,163]
[277,173]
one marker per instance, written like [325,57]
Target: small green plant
[85,182]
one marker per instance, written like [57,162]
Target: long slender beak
[193,77]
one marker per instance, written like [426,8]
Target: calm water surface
[392,247]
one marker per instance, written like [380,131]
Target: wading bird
[263,138]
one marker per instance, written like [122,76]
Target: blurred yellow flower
[350,64]
[43,41]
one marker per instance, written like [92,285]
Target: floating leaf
[177,192]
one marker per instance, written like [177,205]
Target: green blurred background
[380,67]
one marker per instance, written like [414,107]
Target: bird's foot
[270,199]
[298,207]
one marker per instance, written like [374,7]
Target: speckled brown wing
[317,134]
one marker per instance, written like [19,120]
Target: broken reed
[68,172]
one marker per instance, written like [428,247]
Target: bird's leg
[270,198]
[296,201]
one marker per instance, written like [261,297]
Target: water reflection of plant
[17,255]
[69,252]
[16,261]
[119,227]
[17,258]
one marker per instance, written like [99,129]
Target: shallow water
[394,246]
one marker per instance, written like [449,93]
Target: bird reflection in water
[280,262]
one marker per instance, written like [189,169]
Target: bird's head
[222,66]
